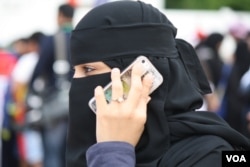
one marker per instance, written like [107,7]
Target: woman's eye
[88,69]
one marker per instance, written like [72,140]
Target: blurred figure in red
[29,140]
[7,146]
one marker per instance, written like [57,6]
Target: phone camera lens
[143,61]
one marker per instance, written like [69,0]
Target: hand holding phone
[123,120]
[147,67]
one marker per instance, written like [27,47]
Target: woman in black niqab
[211,57]
[116,33]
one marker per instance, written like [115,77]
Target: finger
[100,100]
[117,89]
[141,111]
[145,98]
[136,84]
[147,83]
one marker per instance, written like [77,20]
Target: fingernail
[116,70]
[98,89]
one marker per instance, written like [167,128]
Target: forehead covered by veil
[116,33]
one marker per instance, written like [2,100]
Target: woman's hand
[123,120]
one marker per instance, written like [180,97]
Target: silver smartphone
[126,80]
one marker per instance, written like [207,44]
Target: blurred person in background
[29,140]
[208,53]
[8,156]
[51,74]
[245,95]
[232,101]
[20,47]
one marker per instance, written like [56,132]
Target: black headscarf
[214,63]
[116,33]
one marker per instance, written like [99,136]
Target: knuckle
[141,118]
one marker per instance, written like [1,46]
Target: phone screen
[126,84]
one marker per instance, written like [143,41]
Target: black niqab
[116,33]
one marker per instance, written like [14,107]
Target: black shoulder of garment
[198,139]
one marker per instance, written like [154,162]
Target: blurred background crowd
[35,69]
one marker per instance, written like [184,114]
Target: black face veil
[116,33]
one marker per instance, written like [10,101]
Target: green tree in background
[239,5]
